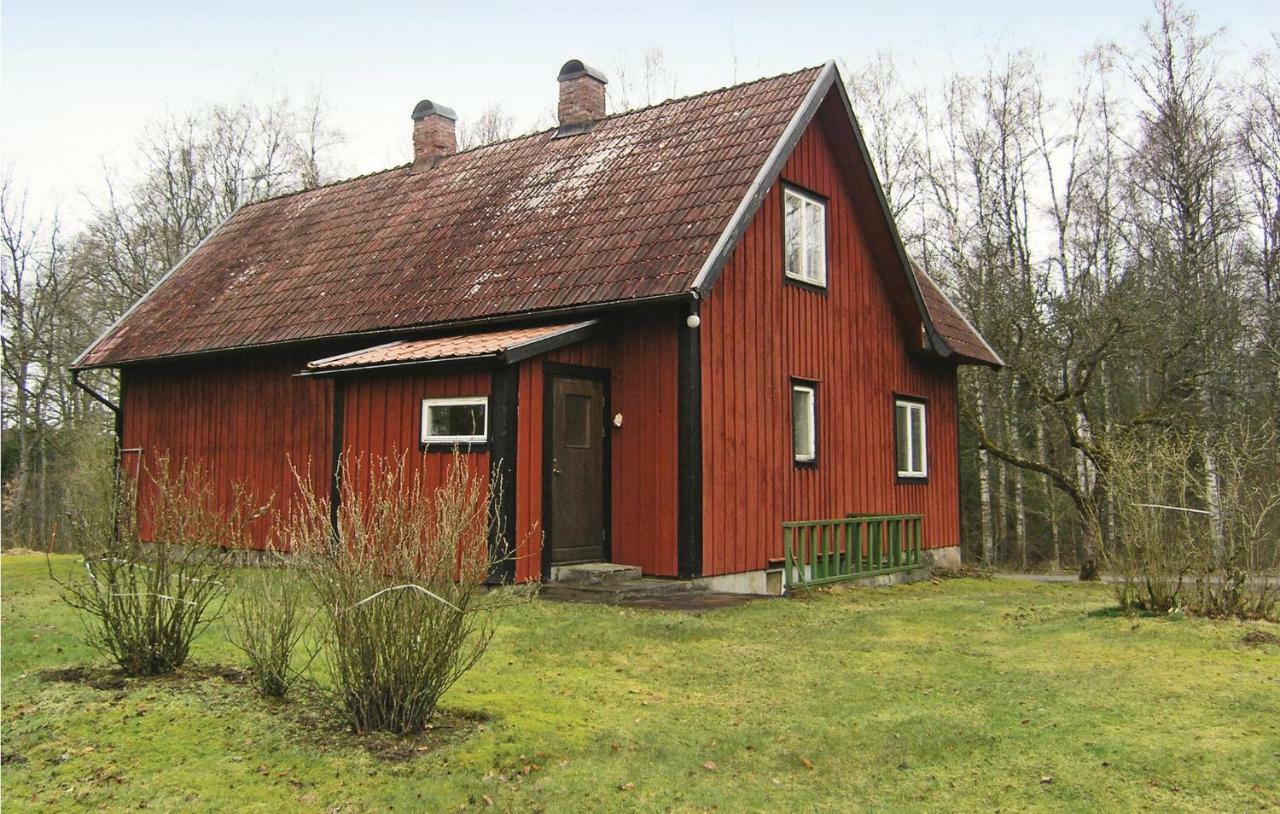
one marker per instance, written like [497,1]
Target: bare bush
[152,579]
[1159,529]
[400,586]
[1177,547]
[271,620]
[1241,576]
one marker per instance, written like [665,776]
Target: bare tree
[641,85]
[60,291]
[492,125]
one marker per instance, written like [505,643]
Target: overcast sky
[79,79]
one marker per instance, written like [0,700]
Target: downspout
[108,403]
[116,464]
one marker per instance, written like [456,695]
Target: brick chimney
[435,134]
[581,94]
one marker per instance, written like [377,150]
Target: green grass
[956,696]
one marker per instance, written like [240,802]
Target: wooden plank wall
[640,352]
[382,419]
[244,419]
[757,333]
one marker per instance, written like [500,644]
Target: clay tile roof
[457,347]
[629,210]
[961,337]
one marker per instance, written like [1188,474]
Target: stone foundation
[769,583]
[944,557]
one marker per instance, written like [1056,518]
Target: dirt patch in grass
[310,711]
[111,678]
[1257,638]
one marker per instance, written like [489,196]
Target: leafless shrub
[271,620]
[1212,555]
[1240,574]
[400,587]
[1159,527]
[151,581]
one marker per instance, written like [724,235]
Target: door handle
[555,470]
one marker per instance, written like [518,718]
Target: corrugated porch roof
[503,347]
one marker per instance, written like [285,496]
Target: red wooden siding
[242,418]
[245,417]
[382,418]
[758,332]
[640,352]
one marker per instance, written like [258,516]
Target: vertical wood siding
[382,419]
[640,353]
[758,332]
[243,419]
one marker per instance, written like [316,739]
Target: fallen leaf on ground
[710,766]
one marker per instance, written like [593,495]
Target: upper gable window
[805,236]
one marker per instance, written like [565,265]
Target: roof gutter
[98,397]
[410,330]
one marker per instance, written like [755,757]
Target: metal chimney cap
[575,68]
[427,108]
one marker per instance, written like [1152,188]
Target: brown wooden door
[576,532]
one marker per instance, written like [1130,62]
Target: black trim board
[604,376]
[689,450]
[335,471]
[504,396]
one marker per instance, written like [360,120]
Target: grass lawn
[960,695]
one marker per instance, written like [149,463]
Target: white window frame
[914,408]
[812,455]
[806,200]
[458,401]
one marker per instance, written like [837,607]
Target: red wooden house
[669,331]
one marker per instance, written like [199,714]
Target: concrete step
[595,573]
[622,591]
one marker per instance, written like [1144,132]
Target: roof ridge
[618,115]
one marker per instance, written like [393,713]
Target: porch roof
[503,347]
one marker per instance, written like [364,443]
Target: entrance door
[576,531]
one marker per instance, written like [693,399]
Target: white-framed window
[804,422]
[804,237]
[911,439]
[462,420]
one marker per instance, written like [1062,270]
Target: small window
[455,420]
[577,421]
[804,423]
[911,440]
[805,238]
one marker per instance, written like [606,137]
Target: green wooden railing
[818,552]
